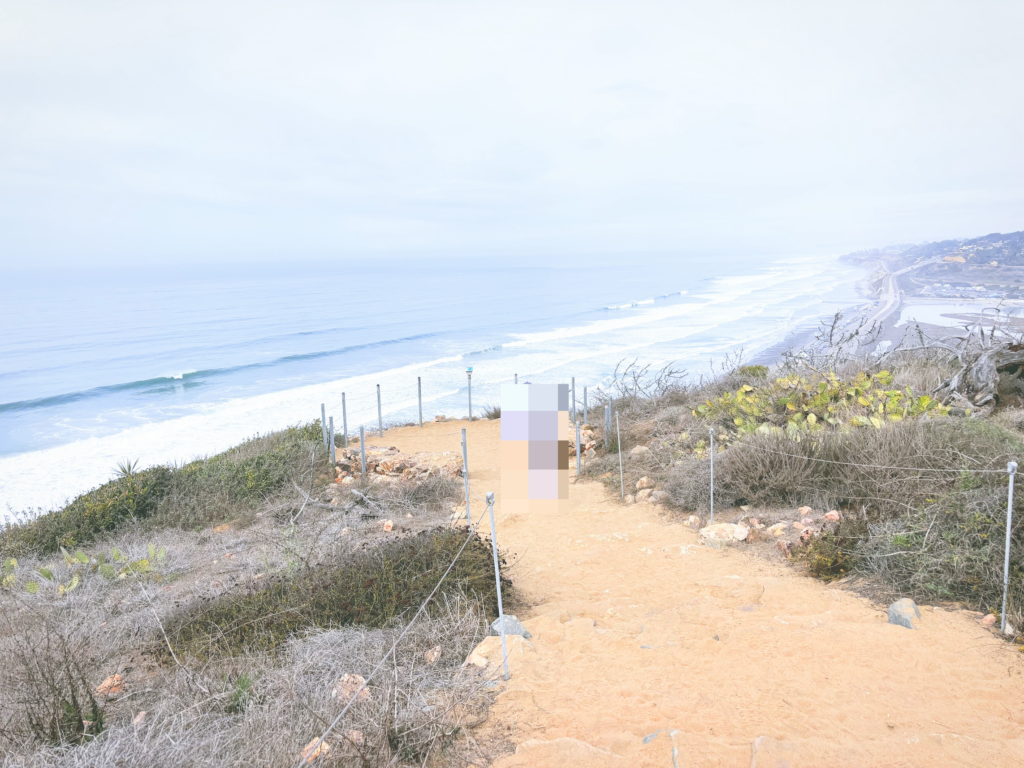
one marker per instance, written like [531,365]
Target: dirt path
[650,650]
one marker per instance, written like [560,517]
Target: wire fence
[1010,471]
[312,750]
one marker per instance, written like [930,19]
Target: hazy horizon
[248,131]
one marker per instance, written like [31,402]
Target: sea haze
[166,366]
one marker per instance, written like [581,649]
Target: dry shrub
[48,697]
[415,711]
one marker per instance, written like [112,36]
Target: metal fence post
[497,581]
[711,435]
[573,409]
[323,423]
[579,449]
[618,444]
[419,396]
[333,458]
[344,418]
[362,448]
[585,405]
[465,475]
[469,379]
[380,418]
[1011,470]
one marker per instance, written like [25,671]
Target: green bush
[372,589]
[202,491]
[103,510]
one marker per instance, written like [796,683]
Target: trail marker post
[469,380]
[1011,470]
[711,436]
[333,459]
[497,580]
[618,444]
[362,449]
[419,396]
[380,418]
[323,422]
[344,418]
[465,476]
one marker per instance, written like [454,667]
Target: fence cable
[315,747]
[879,466]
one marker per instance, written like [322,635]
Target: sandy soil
[650,650]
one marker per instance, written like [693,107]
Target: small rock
[659,497]
[432,655]
[639,449]
[112,686]
[799,526]
[721,534]
[693,521]
[783,548]
[778,529]
[440,417]
[222,528]
[512,627]
[644,482]
[347,686]
[139,719]
[833,516]
[347,480]
[754,522]
[315,750]
[808,521]
[629,499]
[744,508]
[804,511]
[989,620]
[905,613]
[806,535]
[643,495]
[1009,631]
[388,525]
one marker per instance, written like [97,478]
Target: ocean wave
[192,378]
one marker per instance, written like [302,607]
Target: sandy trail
[649,650]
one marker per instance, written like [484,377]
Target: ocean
[169,364]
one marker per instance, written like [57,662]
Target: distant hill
[1006,249]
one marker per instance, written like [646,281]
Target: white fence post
[711,435]
[465,475]
[618,441]
[497,581]
[1011,470]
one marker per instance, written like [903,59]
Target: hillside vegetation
[224,611]
[919,480]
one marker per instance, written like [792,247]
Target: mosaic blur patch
[534,442]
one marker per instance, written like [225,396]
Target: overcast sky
[203,131]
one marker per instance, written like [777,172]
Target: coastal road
[891,297]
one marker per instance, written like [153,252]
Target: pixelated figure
[534,442]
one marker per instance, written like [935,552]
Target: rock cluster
[384,464]
[587,439]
